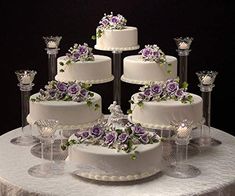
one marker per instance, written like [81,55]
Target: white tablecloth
[217,176]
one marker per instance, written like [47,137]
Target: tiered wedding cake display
[83,66]
[113,34]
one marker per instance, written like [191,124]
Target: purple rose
[82,49]
[146,52]
[62,86]
[147,92]
[123,137]
[85,134]
[172,87]
[114,19]
[144,138]
[138,130]
[52,92]
[78,135]
[96,131]
[179,93]
[84,92]
[110,138]
[156,89]
[73,89]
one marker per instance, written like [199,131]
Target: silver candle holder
[52,48]
[206,79]
[25,78]
[183,49]
[181,169]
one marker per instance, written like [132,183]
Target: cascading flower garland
[163,91]
[110,22]
[78,53]
[125,139]
[154,53]
[70,91]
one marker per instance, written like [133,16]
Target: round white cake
[93,72]
[102,163]
[160,114]
[138,71]
[115,39]
[70,114]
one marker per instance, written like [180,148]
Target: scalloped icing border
[57,77]
[160,127]
[114,178]
[71,127]
[132,81]
[117,49]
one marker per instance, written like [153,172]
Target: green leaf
[169,64]
[185,85]
[91,94]
[63,147]
[131,101]
[140,104]
[89,103]
[97,106]
[61,70]
[129,111]
[119,131]
[133,157]
[33,100]
[169,71]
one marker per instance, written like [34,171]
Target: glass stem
[181,155]
[206,96]
[183,69]
[117,71]
[24,112]
[51,146]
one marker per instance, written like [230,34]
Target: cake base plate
[113,178]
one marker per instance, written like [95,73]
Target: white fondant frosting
[160,114]
[123,40]
[96,162]
[138,71]
[93,72]
[70,114]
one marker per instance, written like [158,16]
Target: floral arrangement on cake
[116,132]
[77,53]
[125,139]
[154,53]
[71,91]
[163,91]
[111,22]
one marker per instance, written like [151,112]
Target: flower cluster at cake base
[70,91]
[154,53]
[126,139]
[78,53]
[163,91]
[110,22]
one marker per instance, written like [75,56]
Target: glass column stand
[25,78]
[52,44]
[117,72]
[181,169]
[183,50]
[206,79]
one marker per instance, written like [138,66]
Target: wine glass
[46,129]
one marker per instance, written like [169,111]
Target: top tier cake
[112,34]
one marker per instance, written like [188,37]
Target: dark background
[210,23]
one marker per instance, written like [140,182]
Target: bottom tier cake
[106,164]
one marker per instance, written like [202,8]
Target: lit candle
[206,80]
[182,131]
[26,79]
[51,44]
[183,45]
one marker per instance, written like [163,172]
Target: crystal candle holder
[46,129]
[183,49]
[181,169]
[52,48]
[206,79]
[25,78]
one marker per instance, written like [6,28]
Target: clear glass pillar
[183,49]
[52,44]
[25,78]
[117,72]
